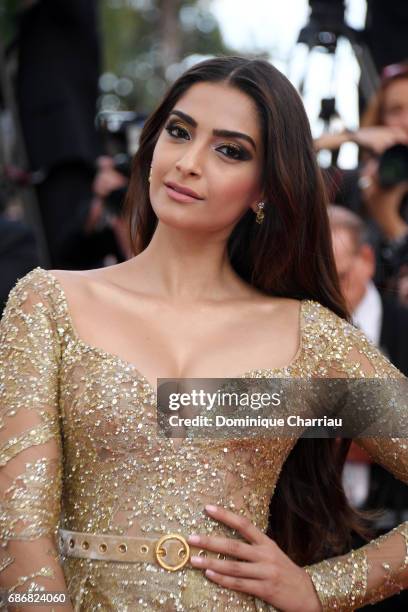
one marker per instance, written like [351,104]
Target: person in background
[386,124]
[110,182]
[382,318]
[58,50]
[385,322]
[385,209]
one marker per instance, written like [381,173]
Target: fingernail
[209,573]
[194,538]
[211,508]
[197,560]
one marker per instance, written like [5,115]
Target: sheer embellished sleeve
[380,568]
[30,442]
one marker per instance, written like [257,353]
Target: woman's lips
[178,196]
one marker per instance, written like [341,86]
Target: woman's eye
[176,131]
[233,152]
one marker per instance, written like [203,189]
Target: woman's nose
[191,162]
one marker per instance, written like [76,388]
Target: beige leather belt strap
[170,551]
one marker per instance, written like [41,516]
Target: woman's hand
[262,569]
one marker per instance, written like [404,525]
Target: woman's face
[395,113]
[211,145]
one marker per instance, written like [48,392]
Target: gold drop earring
[260,213]
[150,173]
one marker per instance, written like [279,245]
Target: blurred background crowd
[79,77]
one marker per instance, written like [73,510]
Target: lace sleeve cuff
[341,583]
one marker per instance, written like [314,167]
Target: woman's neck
[190,266]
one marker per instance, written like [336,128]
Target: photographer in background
[385,133]
[378,189]
[120,132]
[109,188]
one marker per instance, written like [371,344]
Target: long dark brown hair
[290,255]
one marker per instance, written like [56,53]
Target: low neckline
[129,365]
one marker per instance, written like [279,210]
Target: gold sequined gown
[79,450]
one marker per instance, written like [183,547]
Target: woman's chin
[189,224]
[177,217]
[190,219]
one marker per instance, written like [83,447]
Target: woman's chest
[109,417]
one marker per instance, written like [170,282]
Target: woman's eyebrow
[226,133]
[232,134]
[185,117]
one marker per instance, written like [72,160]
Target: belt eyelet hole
[72,543]
[103,548]
[221,556]
[202,553]
[85,545]
[144,549]
[122,548]
[181,553]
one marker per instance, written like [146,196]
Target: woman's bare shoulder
[88,278]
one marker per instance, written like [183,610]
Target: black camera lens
[393,166]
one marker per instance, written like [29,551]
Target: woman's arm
[30,445]
[259,567]
[380,568]
[366,575]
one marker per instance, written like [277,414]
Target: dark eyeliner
[243,155]
[171,125]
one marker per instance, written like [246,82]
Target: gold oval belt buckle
[183,553]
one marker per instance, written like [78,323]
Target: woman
[228,217]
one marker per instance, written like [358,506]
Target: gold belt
[171,551]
